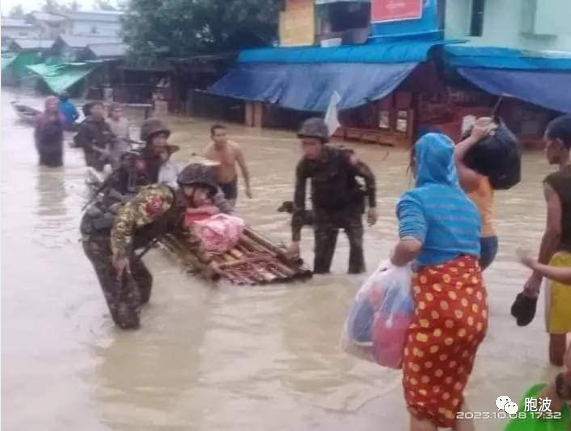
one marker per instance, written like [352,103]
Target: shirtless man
[228,154]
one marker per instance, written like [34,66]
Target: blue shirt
[437,212]
[69,112]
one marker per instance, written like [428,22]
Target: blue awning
[544,88]
[304,78]
[402,51]
[506,58]
[309,87]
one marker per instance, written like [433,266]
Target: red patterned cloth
[450,321]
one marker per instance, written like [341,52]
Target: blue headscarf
[437,212]
[434,156]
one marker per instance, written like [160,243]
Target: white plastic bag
[377,323]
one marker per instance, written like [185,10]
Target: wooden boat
[25,113]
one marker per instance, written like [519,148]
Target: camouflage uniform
[156,210]
[338,203]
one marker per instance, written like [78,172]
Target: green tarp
[7,60]
[60,77]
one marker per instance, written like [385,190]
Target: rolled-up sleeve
[411,217]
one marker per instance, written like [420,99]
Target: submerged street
[223,357]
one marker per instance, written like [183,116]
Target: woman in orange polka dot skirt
[439,231]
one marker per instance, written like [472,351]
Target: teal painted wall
[543,25]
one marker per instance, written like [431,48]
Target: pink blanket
[220,233]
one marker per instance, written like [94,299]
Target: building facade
[541,25]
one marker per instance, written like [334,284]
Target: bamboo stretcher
[254,261]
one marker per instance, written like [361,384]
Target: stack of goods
[253,260]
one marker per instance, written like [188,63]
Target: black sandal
[523,309]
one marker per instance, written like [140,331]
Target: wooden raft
[254,261]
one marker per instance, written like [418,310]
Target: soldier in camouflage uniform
[111,236]
[337,197]
[139,168]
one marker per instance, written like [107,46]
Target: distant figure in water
[48,134]
[69,111]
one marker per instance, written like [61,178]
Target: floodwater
[226,357]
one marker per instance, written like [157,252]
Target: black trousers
[126,296]
[327,225]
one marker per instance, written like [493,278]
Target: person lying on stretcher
[218,230]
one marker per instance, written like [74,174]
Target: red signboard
[395,10]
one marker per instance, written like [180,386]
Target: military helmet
[198,174]
[151,127]
[314,128]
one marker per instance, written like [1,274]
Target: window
[477,18]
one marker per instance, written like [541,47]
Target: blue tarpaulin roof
[386,52]
[309,87]
[506,58]
[304,78]
[544,88]
[538,77]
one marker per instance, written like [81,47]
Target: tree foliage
[55,6]
[104,5]
[16,12]
[188,27]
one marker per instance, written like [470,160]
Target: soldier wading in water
[338,199]
[111,237]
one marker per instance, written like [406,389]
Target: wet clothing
[483,198]
[558,298]
[70,114]
[338,202]
[560,182]
[488,251]
[119,230]
[299,219]
[437,211]
[48,135]
[124,297]
[450,319]
[94,132]
[333,181]
[449,323]
[230,189]
[327,225]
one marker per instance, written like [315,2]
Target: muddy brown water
[224,358]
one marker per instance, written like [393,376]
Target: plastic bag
[378,321]
[498,157]
[220,233]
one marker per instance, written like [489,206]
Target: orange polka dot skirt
[449,323]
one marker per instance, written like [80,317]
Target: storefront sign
[297,23]
[395,10]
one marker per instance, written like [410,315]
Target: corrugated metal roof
[105,16]
[14,22]
[44,16]
[102,50]
[85,41]
[31,43]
